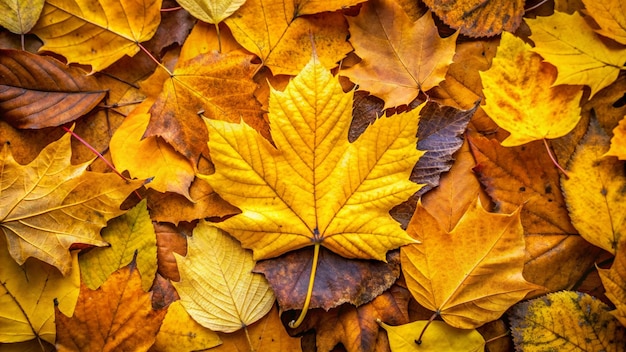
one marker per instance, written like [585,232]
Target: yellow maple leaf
[97,33]
[520,98]
[472,274]
[580,56]
[611,16]
[49,204]
[19,16]
[400,57]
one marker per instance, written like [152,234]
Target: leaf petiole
[432,317]
[556,163]
[296,323]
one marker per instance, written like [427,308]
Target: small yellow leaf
[596,186]
[211,11]
[566,321]
[181,333]
[438,337]
[614,281]
[217,286]
[579,56]
[618,142]
[611,16]
[520,98]
[128,235]
[19,16]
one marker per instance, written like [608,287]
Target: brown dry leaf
[39,91]
[116,317]
[472,274]
[49,204]
[170,240]
[479,18]
[614,280]
[400,57]
[276,32]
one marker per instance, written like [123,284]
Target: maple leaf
[116,317]
[49,204]
[611,16]
[485,277]
[217,286]
[20,16]
[564,321]
[400,57]
[38,91]
[581,58]
[520,96]
[438,337]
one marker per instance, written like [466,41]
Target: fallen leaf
[400,57]
[520,96]
[211,11]
[49,204]
[97,33]
[479,18]
[170,239]
[277,33]
[27,294]
[39,91]
[19,16]
[611,16]
[180,332]
[618,141]
[217,286]
[564,321]
[438,336]
[485,277]
[151,157]
[311,7]
[595,186]
[116,317]
[580,57]
[614,281]
[131,236]
[29,346]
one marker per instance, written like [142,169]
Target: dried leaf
[19,16]
[39,91]
[611,16]
[181,333]
[614,281]
[211,11]
[439,336]
[618,142]
[170,240]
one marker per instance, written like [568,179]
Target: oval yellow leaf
[438,337]
[181,333]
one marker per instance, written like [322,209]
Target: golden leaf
[520,98]
[211,11]
[217,286]
[618,141]
[438,336]
[614,281]
[611,16]
[19,16]
[181,333]
[579,56]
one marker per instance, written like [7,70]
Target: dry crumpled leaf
[485,277]
[618,141]
[611,16]
[479,18]
[315,186]
[116,317]
[39,91]
[579,56]
[400,57]
[439,336]
[520,96]
[565,321]
[131,236]
[614,281]
[49,204]
[217,286]
[26,297]
[595,186]
[211,11]
[181,333]
[19,16]
[97,34]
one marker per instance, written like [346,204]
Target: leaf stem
[296,323]
[219,38]
[154,59]
[245,329]
[496,338]
[432,317]
[545,142]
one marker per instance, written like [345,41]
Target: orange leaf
[618,142]
[116,317]
[614,280]
[611,16]
[400,57]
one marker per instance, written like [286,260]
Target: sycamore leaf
[580,57]
[611,16]
[217,286]
[614,281]
[98,32]
[39,91]
[485,277]
[116,317]
[211,11]
[27,296]
[276,32]
[565,321]
[595,186]
[181,333]
[315,187]
[49,204]
[150,157]
[618,141]
[439,336]
[19,16]
[400,57]
[520,97]
[130,236]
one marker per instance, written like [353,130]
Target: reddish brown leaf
[39,91]
[170,240]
